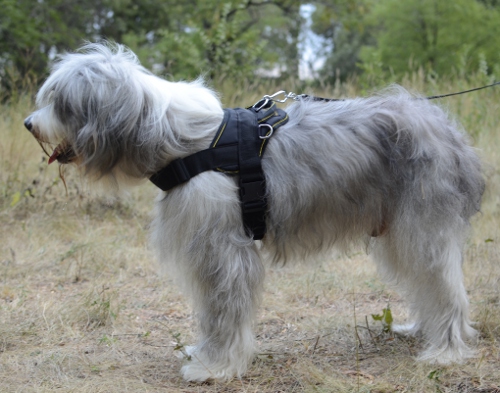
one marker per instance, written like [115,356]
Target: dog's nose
[28,124]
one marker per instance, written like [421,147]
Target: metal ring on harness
[260,104]
[269,133]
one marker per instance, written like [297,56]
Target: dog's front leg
[228,278]
[198,232]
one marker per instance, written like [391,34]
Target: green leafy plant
[385,318]
[434,376]
[101,307]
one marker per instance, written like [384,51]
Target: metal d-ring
[269,132]
[260,104]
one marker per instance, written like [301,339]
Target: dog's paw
[406,329]
[196,372]
[448,355]
[198,369]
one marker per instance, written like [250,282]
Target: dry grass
[82,308]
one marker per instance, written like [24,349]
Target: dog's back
[345,170]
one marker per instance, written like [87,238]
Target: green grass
[83,309]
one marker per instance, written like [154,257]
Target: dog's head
[101,110]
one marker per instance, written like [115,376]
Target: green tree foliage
[230,38]
[343,24]
[388,38]
[213,37]
[224,38]
[234,39]
[440,36]
[31,30]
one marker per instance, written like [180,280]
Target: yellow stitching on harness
[220,134]
[281,121]
[262,147]
[224,171]
[268,117]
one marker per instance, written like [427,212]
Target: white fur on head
[120,119]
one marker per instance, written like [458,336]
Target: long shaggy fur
[391,169]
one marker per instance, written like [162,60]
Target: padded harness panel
[236,149]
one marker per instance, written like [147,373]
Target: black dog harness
[237,149]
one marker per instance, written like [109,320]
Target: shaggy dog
[391,170]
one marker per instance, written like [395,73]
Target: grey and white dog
[392,170]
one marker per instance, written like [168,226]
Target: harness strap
[237,148]
[182,170]
[252,181]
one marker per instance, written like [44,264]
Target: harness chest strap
[236,149]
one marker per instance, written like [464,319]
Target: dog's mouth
[63,153]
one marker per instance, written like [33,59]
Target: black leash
[297,97]
[462,92]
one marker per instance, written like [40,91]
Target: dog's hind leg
[425,264]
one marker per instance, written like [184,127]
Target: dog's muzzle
[63,153]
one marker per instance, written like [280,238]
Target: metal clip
[273,97]
[286,96]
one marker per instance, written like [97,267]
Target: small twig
[158,346]
[358,342]
[359,338]
[316,344]
[267,354]
[161,323]
[315,337]
[370,333]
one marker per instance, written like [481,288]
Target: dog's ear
[116,121]
[106,121]
[68,112]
